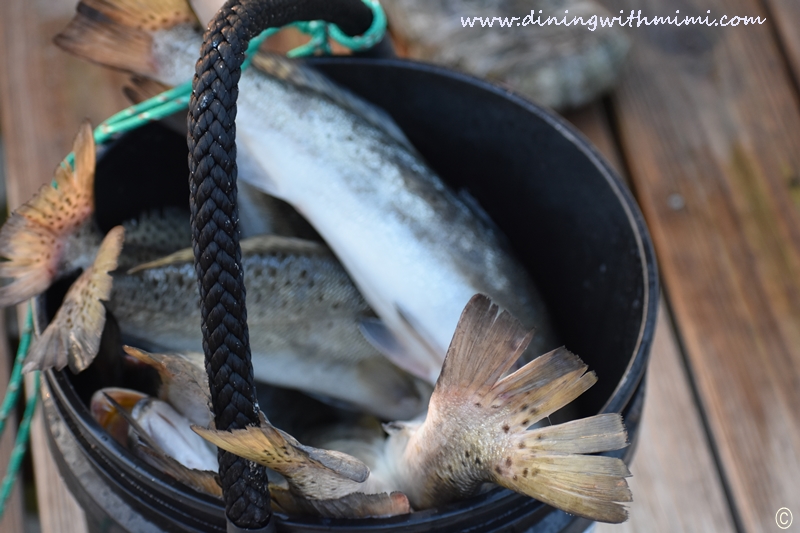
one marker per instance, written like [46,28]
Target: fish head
[107,413]
[166,429]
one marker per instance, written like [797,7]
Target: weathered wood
[676,485]
[44,94]
[785,16]
[710,127]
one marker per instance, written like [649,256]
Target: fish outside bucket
[568,218]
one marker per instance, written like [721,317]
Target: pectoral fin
[73,337]
[311,472]
[383,340]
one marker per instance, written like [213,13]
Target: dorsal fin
[303,76]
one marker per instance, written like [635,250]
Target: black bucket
[568,217]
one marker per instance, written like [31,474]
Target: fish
[415,249]
[558,66]
[259,213]
[478,430]
[304,313]
[184,382]
[303,317]
[157,434]
[54,234]
[73,336]
[135,419]
[161,436]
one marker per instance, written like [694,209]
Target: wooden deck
[706,126]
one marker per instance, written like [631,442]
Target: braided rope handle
[215,230]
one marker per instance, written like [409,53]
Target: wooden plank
[785,15]
[711,128]
[44,94]
[673,468]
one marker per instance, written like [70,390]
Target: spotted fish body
[414,248]
[303,316]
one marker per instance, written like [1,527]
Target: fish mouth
[106,412]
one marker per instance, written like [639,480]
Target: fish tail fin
[33,238]
[485,345]
[311,472]
[119,33]
[547,463]
[144,357]
[73,337]
[551,464]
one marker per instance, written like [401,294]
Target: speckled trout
[415,249]
[304,312]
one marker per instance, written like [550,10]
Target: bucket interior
[566,216]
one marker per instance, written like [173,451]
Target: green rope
[20,446]
[10,400]
[14,384]
[371,37]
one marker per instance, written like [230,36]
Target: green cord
[371,37]
[20,446]
[14,386]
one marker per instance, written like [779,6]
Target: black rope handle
[215,225]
